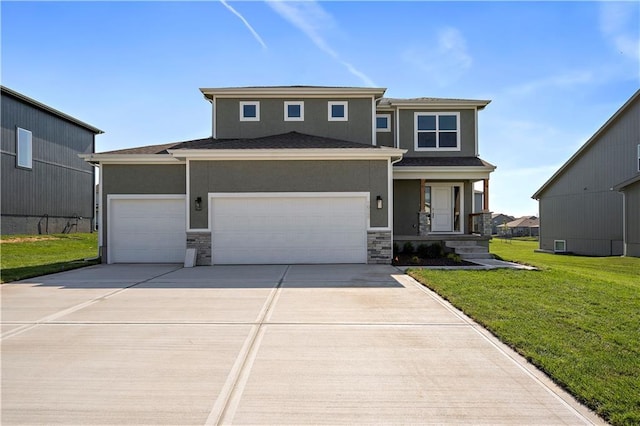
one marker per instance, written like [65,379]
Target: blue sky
[555,71]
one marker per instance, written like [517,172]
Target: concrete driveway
[330,344]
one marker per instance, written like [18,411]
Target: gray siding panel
[406,122]
[59,183]
[632,218]
[357,129]
[579,206]
[288,176]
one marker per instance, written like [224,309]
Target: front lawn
[26,256]
[577,319]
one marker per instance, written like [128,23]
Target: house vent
[559,246]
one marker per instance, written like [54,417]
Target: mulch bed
[407,260]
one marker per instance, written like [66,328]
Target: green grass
[577,319]
[26,256]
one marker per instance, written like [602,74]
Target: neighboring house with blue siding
[591,205]
[300,174]
[46,186]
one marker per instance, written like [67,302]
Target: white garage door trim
[179,230]
[354,249]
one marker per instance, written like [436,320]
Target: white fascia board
[279,92]
[289,154]
[441,104]
[130,158]
[441,173]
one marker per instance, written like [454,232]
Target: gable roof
[291,140]
[592,140]
[47,108]
[524,222]
[292,145]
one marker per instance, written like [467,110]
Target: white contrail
[310,18]
[246,23]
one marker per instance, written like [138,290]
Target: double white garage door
[260,229]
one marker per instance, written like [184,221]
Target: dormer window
[383,122]
[338,111]
[250,111]
[437,131]
[294,111]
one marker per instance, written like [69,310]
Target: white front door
[441,208]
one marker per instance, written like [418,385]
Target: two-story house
[46,188]
[297,174]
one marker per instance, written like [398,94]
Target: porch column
[486,213]
[423,220]
[485,194]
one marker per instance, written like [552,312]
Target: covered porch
[434,201]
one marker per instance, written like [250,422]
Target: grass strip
[577,319]
[27,256]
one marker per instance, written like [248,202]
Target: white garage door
[289,229]
[146,230]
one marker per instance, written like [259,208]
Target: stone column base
[201,241]
[379,247]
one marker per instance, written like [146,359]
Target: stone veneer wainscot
[379,247]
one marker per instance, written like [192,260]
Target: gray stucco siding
[358,128]
[288,176]
[467,129]
[406,205]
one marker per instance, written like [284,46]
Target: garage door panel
[147,230]
[289,229]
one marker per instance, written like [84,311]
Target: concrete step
[470,256]
[460,243]
[471,249]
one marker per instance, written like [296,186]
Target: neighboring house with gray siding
[590,205]
[46,187]
[299,174]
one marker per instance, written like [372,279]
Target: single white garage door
[147,230]
[289,229]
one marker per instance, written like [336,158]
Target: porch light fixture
[198,203]
[379,201]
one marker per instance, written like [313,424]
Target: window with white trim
[24,149]
[294,111]
[338,110]
[559,246]
[250,111]
[383,122]
[437,131]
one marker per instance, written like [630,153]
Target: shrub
[407,248]
[396,249]
[415,260]
[423,250]
[455,257]
[434,251]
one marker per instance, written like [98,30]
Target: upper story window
[383,122]
[250,111]
[294,111]
[23,148]
[338,111]
[437,131]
